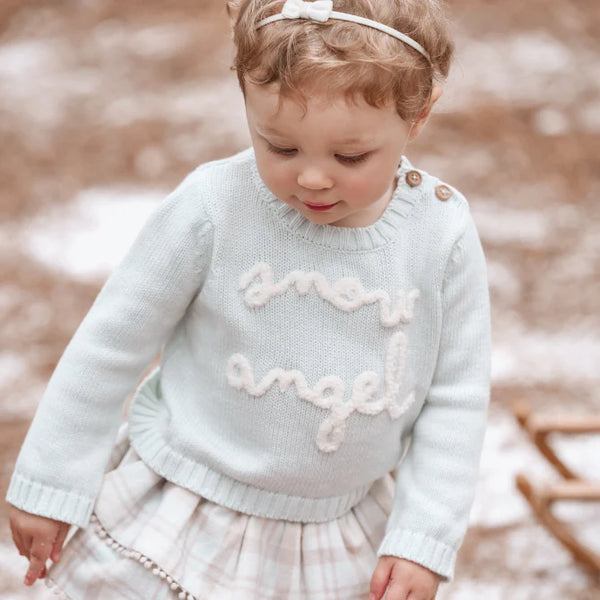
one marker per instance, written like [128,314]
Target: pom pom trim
[178,590]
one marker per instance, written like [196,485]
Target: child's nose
[314,178]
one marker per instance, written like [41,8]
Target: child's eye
[352,159]
[282,151]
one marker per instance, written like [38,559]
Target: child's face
[311,164]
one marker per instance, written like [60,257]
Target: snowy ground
[104,108]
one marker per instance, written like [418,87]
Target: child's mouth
[320,206]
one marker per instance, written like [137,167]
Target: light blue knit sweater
[297,360]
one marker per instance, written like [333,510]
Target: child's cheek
[285,177]
[284,180]
[367,186]
[274,176]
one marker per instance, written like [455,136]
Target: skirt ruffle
[150,539]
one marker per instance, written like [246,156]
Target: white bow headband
[322,10]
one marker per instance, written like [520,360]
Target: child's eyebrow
[349,140]
[263,129]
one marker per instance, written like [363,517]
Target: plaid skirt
[150,539]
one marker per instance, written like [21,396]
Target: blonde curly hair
[338,57]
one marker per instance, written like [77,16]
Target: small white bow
[320,10]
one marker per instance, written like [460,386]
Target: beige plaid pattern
[153,540]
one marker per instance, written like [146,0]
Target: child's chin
[321,218]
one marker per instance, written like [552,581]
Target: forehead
[347,121]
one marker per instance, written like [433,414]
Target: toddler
[314,426]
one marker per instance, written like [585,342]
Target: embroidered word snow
[347,294]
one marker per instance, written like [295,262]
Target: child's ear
[421,118]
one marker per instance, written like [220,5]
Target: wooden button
[443,192]
[413,178]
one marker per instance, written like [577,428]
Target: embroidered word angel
[329,392]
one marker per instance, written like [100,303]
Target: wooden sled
[571,488]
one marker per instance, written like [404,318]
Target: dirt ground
[98,93]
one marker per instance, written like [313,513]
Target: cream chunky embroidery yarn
[348,295]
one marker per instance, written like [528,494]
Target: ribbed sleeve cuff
[426,551]
[46,501]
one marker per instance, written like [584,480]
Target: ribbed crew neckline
[378,234]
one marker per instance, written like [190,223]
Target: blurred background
[105,106]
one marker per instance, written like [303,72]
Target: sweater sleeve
[435,483]
[60,467]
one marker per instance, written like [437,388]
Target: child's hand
[37,538]
[406,579]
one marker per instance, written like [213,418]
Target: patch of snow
[44,68]
[24,59]
[501,225]
[89,237]
[471,590]
[34,69]
[20,397]
[503,283]
[527,357]
[549,121]
[213,108]
[582,262]
[565,580]
[12,366]
[108,36]
[112,37]
[505,452]
[159,41]
[219,98]
[514,68]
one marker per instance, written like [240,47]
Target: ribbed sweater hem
[422,549]
[41,499]
[147,440]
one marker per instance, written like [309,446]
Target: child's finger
[63,530]
[398,591]
[40,550]
[380,579]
